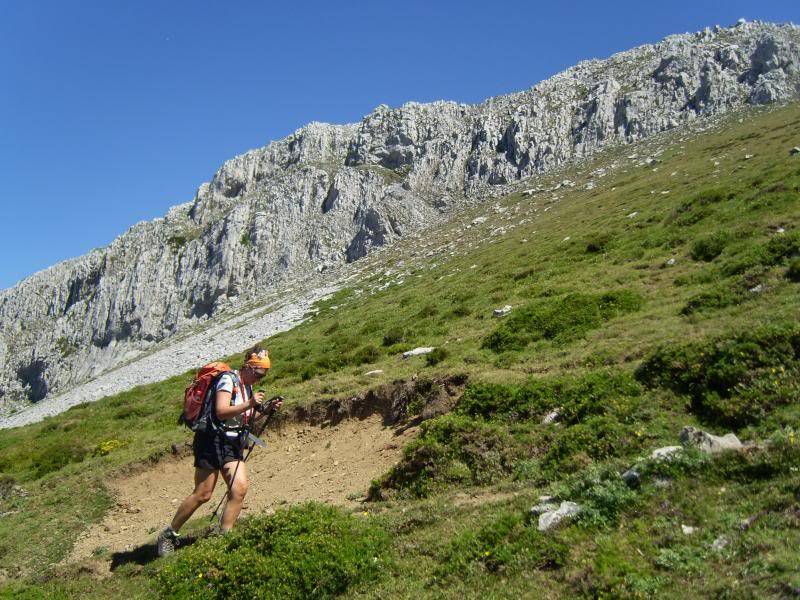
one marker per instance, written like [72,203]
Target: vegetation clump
[56,456]
[485,439]
[560,319]
[600,491]
[366,354]
[719,296]
[776,251]
[393,336]
[710,247]
[793,272]
[576,397]
[696,208]
[308,551]
[451,449]
[731,381]
[436,356]
[508,540]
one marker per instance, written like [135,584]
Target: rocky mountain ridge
[328,194]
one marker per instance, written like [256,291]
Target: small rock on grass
[707,442]
[543,507]
[417,352]
[550,519]
[666,452]
[502,312]
[632,478]
[551,416]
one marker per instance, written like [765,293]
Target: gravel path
[177,355]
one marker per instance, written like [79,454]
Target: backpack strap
[212,392]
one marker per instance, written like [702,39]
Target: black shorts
[213,450]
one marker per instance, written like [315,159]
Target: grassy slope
[715,195]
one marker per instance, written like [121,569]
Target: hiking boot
[167,541]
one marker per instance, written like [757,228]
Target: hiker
[219,449]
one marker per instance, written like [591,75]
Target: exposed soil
[301,462]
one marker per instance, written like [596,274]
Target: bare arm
[222,404]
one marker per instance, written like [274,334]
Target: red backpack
[197,414]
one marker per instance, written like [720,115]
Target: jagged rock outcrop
[328,194]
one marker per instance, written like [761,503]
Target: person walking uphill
[218,447]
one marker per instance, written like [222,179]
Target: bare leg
[204,482]
[237,489]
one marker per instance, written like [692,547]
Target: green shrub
[341,342]
[524,274]
[460,311]
[597,438]
[450,449]
[598,243]
[793,272]
[709,247]
[367,354]
[732,381]
[308,372]
[56,456]
[65,348]
[577,397]
[775,252]
[134,411]
[176,242]
[528,469]
[697,207]
[779,457]
[308,551]
[783,246]
[749,258]
[429,310]
[718,297]
[727,293]
[501,401]
[713,195]
[691,461]
[682,558]
[600,491]
[560,319]
[663,238]
[394,336]
[436,356]
[507,541]
[332,360]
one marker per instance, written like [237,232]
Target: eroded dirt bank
[328,452]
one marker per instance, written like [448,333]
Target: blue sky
[110,112]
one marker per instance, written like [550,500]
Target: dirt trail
[302,462]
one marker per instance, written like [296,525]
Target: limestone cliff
[330,193]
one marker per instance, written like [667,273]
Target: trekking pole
[267,416]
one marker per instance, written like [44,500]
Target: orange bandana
[260,361]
